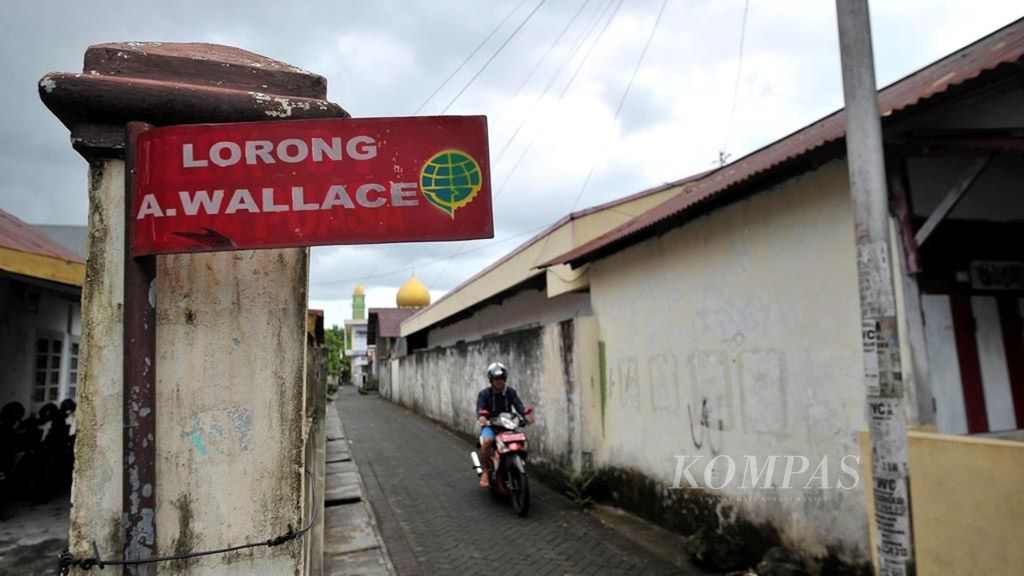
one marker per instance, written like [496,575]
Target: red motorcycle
[508,460]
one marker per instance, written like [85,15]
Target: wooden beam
[902,208]
[42,267]
[953,197]
[955,146]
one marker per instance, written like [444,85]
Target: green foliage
[577,488]
[334,340]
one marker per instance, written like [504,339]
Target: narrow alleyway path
[435,520]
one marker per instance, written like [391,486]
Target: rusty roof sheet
[1001,47]
[389,320]
[540,236]
[18,235]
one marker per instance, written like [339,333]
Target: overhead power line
[470,57]
[561,95]
[530,75]
[495,55]
[554,77]
[568,59]
[723,154]
[544,57]
[622,100]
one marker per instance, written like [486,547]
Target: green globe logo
[450,180]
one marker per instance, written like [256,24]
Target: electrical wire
[459,251]
[493,56]
[561,95]
[66,560]
[622,101]
[736,88]
[543,58]
[521,86]
[551,80]
[468,58]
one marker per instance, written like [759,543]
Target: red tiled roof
[1001,47]
[17,235]
[389,320]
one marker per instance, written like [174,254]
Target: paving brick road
[435,519]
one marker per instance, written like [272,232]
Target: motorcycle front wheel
[518,485]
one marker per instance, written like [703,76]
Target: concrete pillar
[230,418]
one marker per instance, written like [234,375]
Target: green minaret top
[358,304]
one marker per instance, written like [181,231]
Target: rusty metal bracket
[139,474]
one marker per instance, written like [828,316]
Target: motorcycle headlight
[508,423]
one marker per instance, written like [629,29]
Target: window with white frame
[46,382]
[73,370]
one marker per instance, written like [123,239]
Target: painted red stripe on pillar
[1013,347]
[970,367]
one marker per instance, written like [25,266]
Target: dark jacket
[495,404]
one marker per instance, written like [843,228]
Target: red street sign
[212,187]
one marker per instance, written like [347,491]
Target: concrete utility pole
[880,334]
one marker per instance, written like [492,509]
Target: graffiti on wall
[699,388]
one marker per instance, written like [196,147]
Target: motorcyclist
[491,401]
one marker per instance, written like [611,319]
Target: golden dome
[358,291]
[413,294]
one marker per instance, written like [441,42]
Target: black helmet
[497,370]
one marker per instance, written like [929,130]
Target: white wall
[544,368]
[19,324]
[751,312]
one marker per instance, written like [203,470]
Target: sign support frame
[139,384]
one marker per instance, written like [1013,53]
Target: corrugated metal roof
[1001,47]
[540,236]
[23,237]
[389,320]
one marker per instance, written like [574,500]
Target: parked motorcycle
[508,461]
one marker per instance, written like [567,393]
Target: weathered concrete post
[230,327]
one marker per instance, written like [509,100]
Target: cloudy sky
[550,78]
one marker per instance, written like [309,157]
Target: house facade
[40,316]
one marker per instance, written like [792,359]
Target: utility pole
[879,329]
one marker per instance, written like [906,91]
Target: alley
[436,520]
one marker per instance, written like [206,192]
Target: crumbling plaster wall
[737,335]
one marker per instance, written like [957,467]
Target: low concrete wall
[966,500]
[442,384]
[315,398]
